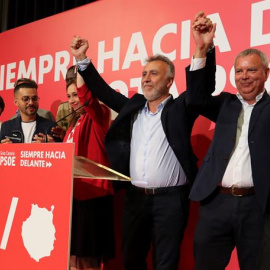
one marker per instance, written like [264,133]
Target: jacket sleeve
[12,128]
[200,86]
[3,131]
[100,113]
[102,90]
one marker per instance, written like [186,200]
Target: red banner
[35,201]
[122,33]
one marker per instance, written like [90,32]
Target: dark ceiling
[14,13]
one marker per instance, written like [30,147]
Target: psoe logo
[38,231]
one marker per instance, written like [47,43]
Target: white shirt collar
[258,97]
[160,105]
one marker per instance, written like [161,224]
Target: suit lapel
[18,123]
[257,110]
[131,108]
[165,110]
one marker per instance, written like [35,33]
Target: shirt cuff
[83,64]
[197,63]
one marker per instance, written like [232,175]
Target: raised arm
[201,74]
[92,79]
[100,113]
[203,31]
[79,47]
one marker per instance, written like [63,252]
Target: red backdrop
[121,34]
[30,173]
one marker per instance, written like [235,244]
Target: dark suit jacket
[176,120]
[224,109]
[8,127]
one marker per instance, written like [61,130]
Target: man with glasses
[29,126]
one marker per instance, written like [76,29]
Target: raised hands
[79,46]
[203,33]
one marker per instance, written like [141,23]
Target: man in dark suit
[150,141]
[28,126]
[233,181]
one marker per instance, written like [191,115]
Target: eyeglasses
[26,99]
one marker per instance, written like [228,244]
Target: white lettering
[62,60]
[30,72]
[45,66]
[32,163]
[185,42]
[7,161]
[55,155]
[9,222]
[136,43]
[46,63]
[174,91]
[232,77]
[121,86]
[136,82]
[10,75]
[257,37]
[220,80]
[220,39]
[32,154]
[114,55]
[2,74]
[163,31]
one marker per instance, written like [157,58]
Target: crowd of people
[150,141]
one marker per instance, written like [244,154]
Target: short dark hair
[24,83]
[71,76]
[2,104]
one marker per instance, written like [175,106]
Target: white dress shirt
[238,171]
[152,160]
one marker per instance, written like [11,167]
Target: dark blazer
[12,126]
[177,122]
[224,110]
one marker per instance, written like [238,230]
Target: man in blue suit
[233,182]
